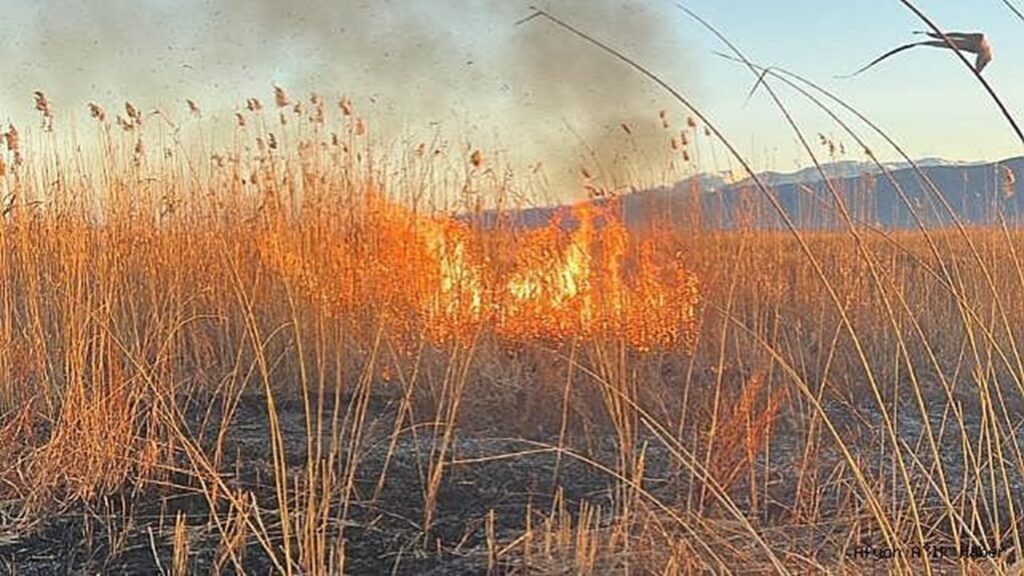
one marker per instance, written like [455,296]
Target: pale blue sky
[925,96]
[534,91]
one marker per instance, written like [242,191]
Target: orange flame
[443,278]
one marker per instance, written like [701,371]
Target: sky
[530,93]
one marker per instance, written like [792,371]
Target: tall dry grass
[773,400]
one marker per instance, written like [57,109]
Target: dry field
[296,354]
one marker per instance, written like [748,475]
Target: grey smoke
[461,63]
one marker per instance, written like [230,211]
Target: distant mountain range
[851,169]
[974,193]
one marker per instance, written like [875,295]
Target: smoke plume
[547,95]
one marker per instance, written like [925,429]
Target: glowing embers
[583,275]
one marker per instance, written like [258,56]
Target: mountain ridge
[973,193]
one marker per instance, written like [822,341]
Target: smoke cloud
[547,95]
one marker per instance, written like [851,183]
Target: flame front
[583,275]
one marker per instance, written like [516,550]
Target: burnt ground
[384,531]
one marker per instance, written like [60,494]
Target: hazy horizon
[531,93]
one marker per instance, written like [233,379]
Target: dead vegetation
[295,355]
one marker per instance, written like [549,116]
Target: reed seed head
[280,97]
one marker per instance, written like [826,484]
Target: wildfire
[583,275]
